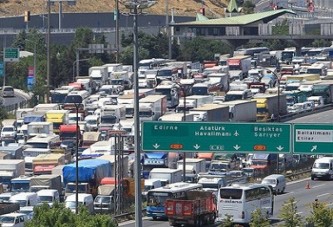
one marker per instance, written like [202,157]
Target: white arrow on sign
[237,147]
[156,145]
[280,148]
[314,148]
[196,146]
[236,133]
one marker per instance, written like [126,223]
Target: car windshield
[72,204]
[46,198]
[269,181]
[6,219]
[103,199]
[8,129]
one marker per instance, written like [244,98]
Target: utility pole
[116,18]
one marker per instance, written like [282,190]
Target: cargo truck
[239,66]
[99,74]
[112,160]
[197,208]
[37,128]
[152,107]
[211,113]
[177,117]
[324,89]
[10,169]
[166,175]
[193,101]
[46,181]
[128,101]
[57,118]
[193,165]
[20,184]
[89,138]
[242,110]
[268,107]
[8,207]
[44,163]
[91,172]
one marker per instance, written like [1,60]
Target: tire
[283,189]
[312,178]
[154,218]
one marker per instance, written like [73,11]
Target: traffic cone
[307,185]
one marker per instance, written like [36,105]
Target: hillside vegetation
[214,8]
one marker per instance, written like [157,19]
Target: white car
[8,132]
[13,220]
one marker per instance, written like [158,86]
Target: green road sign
[313,138]
[215,137]
[11,54]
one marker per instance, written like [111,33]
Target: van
[25,199]
[277,181]
[84,199]
[322,168]
[13,220]
[48,196]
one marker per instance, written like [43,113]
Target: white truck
[176,117]
[120,81]
[128,126]
[239,66]
[193,165]
[37,128]
[193,101]
[99,74]
[128,101]
[11,168]
[166,175]
[118,111]
[211,113]
[242,110]
[152,107]
[113,67]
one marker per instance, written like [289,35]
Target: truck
[154,160]
[91,172]
[70,132]
[118,111]
[268,107]
[242,110]
[14,150]
[239,66]
[44,163]
[264,164]
[120,81]
[211,113]
[152,107]
[57,118]
[196,208]
[10,169]
[193,165]
[99,74]
[166,175]
[324,89]
[128,101]
[46,181]
[295,96]
[8,207]
[112,160]
[89,138]
[20,184]
[37,128]
[176,117]
[88,83]
[193,101]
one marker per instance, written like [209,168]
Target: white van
[48,196]
[322,168]
[13,220]
[25,199]
[84,199]
[277,181]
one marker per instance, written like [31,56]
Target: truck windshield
[73,99]
[22,186]
[72,204]
[321,165]
[164,91]
[147,113]
[314,71]
[108,119]
[38,145]
[218,167]
[233,97]
[287,55]
[130,111]
[259,162]
[164,73]
[103,199]
[71,188]
[234,67]
[64,135]
[200,91]
[262,110]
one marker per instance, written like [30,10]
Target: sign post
[313,138]
[216,137]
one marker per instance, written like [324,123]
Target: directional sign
[11,54]
[313,138]
[1,68]
[215,137]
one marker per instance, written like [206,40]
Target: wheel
[283,189]
[154,218]
[312,178]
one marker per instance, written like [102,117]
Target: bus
[157,197]
[171,90]
[251,51]
[241,200]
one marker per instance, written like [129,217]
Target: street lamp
[76,62]
[136,8]
[77,106]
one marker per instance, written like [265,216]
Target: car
[8,91]
[13,219]
[8,132]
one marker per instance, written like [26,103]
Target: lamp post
[77,105]
[48,49]
[136,8]
[78,68]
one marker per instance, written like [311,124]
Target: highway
[322,117]
[20,96]
[322,190]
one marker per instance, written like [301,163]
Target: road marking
[322,195]
[317,186]
[287,193]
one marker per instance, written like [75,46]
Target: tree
[59,216]
[227,221]
[258,219]
[321,215]
[248,7]
[281,28]
[289,214]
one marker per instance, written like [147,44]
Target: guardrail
[292,116]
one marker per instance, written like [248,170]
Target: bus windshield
[231,193]
[157,198]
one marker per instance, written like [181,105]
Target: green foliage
[59,216]
[248,7]
[199,49]
[321,43]
[321,215]
[289,214]
[3,114]
[258,219]
[227,221]
[281,28]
